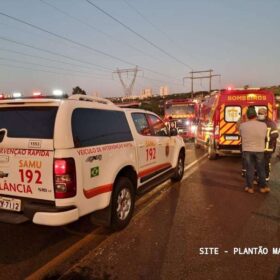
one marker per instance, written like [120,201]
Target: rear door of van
[229,116]
[26,152]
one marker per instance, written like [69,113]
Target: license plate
[231,137]
[12,204]
[235,152]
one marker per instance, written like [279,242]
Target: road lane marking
[135,217]
[195,162]
[58,260]
[160,187]
[51,265]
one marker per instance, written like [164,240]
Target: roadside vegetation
[156,103]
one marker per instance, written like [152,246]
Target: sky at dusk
[49,44]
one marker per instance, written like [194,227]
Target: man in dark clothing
[253,135]
[270,141]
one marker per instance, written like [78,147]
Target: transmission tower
[127,88]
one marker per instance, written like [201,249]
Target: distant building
[96,94]
[163,91]
[146,93]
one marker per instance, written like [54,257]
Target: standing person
[270,141]
[253,133]
[238,123]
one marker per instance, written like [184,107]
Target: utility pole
[210,79]
[127,88]
[192,83]
[210,76]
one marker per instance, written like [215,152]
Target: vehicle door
[165,143]
[229,134]
[201,125]
[26,154]
[103,146]
[149,162]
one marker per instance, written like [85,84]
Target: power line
[65,38]
[41,70]
[138,34]
[41,65]
[147,20]
[44,58]
[97,30]
[160,81]
[71,58]
[210,76]
[53,53]
[73,42]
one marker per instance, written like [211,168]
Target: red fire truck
[184,112]
[219,113]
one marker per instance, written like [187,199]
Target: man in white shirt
[253,133]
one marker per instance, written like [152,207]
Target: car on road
[184,112]
[61,159]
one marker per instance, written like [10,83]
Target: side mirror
[173,129]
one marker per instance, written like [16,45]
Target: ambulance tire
[212,151]
[123,200]
[179,170]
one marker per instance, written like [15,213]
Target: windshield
[28,122]
[180,109]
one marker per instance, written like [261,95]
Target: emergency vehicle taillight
[64,178]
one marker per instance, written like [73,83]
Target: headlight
[193,128]
[187,122]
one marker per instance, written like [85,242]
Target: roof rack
[83,97]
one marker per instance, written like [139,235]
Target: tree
[78,90]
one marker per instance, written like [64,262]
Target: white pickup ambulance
[61,159]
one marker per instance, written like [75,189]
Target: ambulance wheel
[123,200]
[211,151]
[179,170]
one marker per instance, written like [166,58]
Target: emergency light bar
[245,88]
[57,92]
[37,94]
[17,94]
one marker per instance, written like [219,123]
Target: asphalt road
[209,209]
[169,231]
[26,248]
